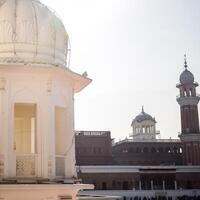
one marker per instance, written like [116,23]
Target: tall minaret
[188,101]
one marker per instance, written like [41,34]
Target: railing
[1,166]
[153,140]
[60,166]
[26,165]
[140,194]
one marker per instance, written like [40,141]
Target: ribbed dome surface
[186,77]
[31,33]
[143,116]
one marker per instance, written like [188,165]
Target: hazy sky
[133,50]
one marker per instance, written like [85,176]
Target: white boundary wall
[143,193]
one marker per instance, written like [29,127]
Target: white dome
[143,117]
[31,33]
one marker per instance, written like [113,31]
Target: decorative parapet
[26,165]
[2,83]
[50,166]
[1,166]
[60,166]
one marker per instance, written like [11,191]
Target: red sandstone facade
[93,148]
[162,152]
[145,164]
[144,179]
[190,134]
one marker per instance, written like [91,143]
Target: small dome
[143,117]
[186,77]
[31,33]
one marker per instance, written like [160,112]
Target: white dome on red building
[144,127]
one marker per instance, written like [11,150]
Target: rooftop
[147,141]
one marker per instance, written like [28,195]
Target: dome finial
[185,61]
[142,109]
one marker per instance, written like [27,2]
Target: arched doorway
[125,185]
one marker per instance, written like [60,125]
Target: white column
[175,185]
[46,143]
[70,147]
[140,185]
[7,129]
[51,155]
[1,120]
[154,129]
[51,142]
[163,185]
[2,141]
[151,184]
[141,129]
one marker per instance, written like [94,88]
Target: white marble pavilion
[36,103]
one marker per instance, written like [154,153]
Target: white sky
[133,50]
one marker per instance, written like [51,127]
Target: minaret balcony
[194,83]
[188,100]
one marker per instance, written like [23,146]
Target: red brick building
[145,162]
[93,148]
[147,153]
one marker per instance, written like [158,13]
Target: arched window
[104,186]
[131,150]
[145,150]
[175,150]
[167,150]
[125,150]
[191,92]
[153,150]
[184,93]
[95,185]
[113,185]
[160,150]
[125,185]
[138,150]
